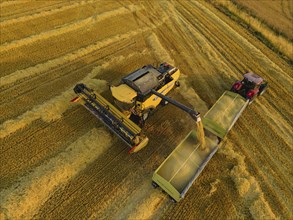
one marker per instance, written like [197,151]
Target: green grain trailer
[177,173]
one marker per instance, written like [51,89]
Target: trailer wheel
[173,200]
[155,185]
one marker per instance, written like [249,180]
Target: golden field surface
[277,14]
[59,162]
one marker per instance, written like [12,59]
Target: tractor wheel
[177,84]
[262,90]
[252,99]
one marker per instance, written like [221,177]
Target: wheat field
[59,162]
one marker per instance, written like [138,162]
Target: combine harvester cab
[178,172]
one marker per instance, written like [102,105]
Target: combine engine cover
[115,120]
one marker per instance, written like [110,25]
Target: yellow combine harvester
[136,96]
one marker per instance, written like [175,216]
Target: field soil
[59,162]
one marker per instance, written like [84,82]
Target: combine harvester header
[178,172]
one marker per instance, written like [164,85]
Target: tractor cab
[250,86]
[252,79]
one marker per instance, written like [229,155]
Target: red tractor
[250,87]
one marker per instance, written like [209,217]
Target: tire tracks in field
[206,47]
[278,123]
[182,52]
[213,43]
[220,35]
[23,199]
[63,29]
[278,39]
[205,74]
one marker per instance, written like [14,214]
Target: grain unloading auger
[136,96]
